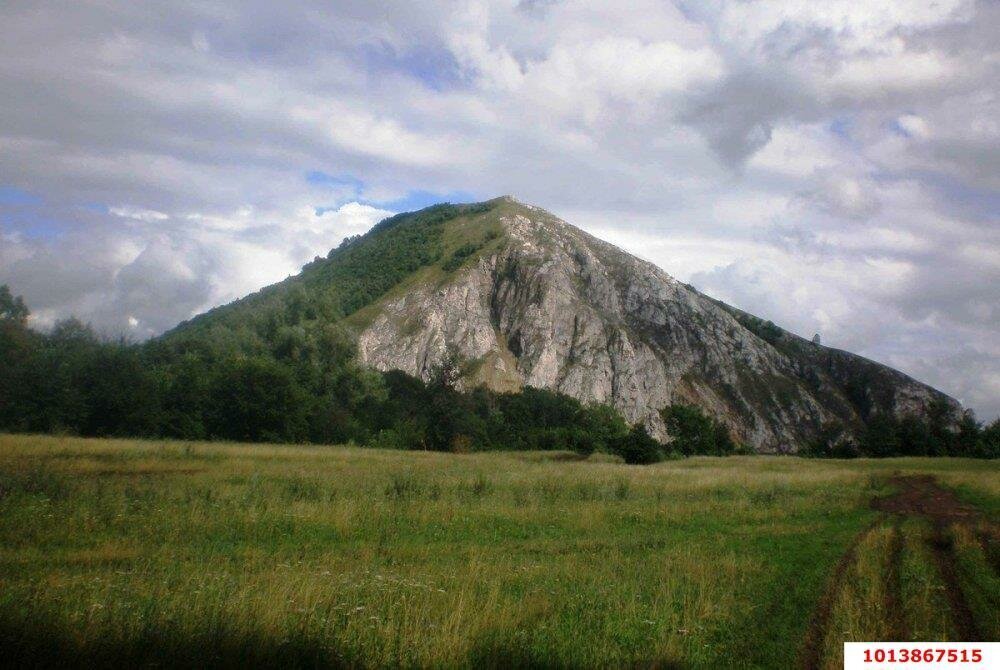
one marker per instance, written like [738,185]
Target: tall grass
[129,552]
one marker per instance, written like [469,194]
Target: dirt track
[916,496]
[812,647]
[894,589]
[920,495]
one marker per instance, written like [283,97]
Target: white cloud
[830,165]
[147,279]
[884,75]
[914,126]
[858,26]
[797,152]
[147,215]
[621,68]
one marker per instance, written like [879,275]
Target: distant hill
[518,297]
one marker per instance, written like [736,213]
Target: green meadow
[178,554]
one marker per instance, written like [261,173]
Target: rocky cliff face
[550,306]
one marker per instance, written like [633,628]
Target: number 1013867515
[885,655]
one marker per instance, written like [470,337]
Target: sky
[832,166]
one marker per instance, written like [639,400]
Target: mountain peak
[510,200]
[522,298]
[545,304]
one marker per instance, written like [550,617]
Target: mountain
[520,298]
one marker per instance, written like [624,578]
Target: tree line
[283,378]
[304,387]
[943,430]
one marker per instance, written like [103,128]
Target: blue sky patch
[320,178]
[420,199]
[434,67]
[413,200]
[15,196]
[841,126]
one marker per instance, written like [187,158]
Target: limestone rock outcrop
[556,308]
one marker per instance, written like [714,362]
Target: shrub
[694,432]
[637,447]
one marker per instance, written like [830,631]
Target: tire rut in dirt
[893,604]
[943,550]
[916,496]
[922,496]
[811,652]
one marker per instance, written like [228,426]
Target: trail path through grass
[945,520]
[920,495]
[812,647]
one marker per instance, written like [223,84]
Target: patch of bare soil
[920,495]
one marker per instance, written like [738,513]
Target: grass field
[185,554]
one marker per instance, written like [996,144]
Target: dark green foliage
[71,381]
[694,432]
[16,346]
[186,398]
[637,447]
[12,308]
[989,441]
[256,400]
[940,431]
[914,436]
[881,437]
[292,380]
[436,416]
[942,419]
[459,256]
[540,419]
[466,250]
[831,442]
[765,330]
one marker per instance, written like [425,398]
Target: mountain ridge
[523,298]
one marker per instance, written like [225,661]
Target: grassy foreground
[169,553]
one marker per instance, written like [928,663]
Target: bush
[637,447]
[390,439]
[459,257]
[831,442]
[694,432]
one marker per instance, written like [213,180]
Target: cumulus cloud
[832,166]
[144,279]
